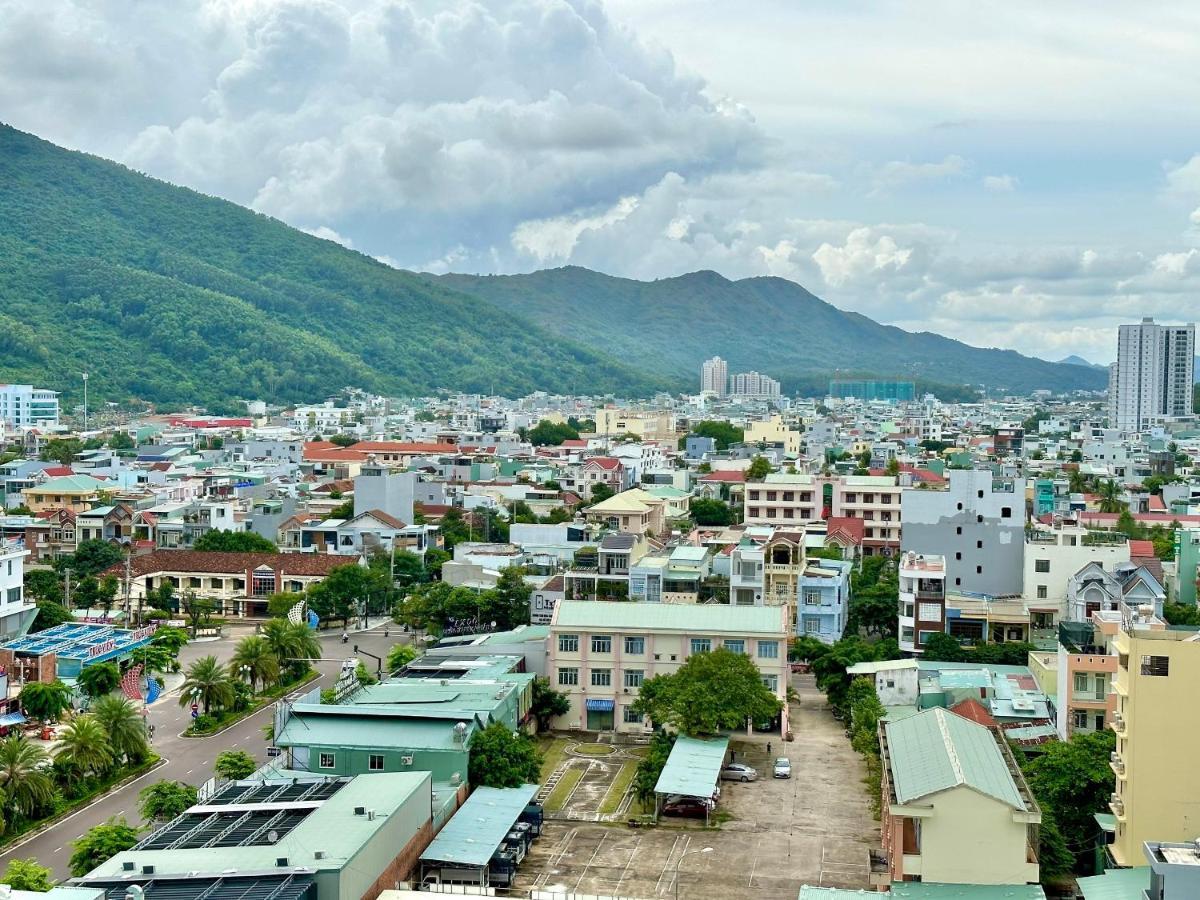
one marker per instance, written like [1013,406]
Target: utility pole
[67,573]
[85,401]
[128,601]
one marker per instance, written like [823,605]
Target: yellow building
[955,807]
[1157,723]
[634,511]
[774,431]
[650,426]
[77,493]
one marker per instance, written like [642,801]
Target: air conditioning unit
[625,690]
[406,760]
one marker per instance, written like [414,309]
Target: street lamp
[244,670]
[680,860]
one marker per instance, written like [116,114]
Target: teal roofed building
[422,720]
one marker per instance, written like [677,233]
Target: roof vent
[318,854]
[128,866]
[370,815]
[147,870]
[360,810]
[281,861]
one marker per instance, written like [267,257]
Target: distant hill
[1073,360]
[171,296]
[669,327]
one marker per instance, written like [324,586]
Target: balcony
[881,872]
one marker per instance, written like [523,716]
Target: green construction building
[420,721]
[1187,558]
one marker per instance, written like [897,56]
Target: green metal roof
[689,617]
[1116,884]
[69,484]
[936,750]
[476,830]
[693,767]
[932,890]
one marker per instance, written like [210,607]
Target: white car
[783,768]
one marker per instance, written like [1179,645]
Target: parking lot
[814,828]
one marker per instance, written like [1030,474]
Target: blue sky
[1015,174]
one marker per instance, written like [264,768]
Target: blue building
[895,391]
[697,447]
[823,599]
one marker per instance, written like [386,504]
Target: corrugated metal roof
[693,767]
[924,890]
[689,617]
[363,732]
[476,830]
[936,750]
[1116,884]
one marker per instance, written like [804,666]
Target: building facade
[714,377]
[823,599]
[922,611]
[753,386]
[600,654]
[25,405]
[16,613]
[1151,381]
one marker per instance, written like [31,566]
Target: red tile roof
[975,711]
[726,476]
[388,520]
[233,563]
[1141,548]
[405,447]
[1156,504]
[846,528]
[607,463]
[58,471]
[323,451]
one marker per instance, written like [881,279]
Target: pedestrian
[768,748]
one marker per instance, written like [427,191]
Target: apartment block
[785,498]
[824,599]
[978,523]
[1085,668]
[1157,723]
[600,653]
[922,611]
[23,405]
[1054,553]
[16,611]
[1152,379]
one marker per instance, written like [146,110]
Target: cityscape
[566,450]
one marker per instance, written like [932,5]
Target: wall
[376,865]
[1064,561]
[441,764]
[972,839]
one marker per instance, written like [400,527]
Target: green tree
[197,609]
[164,800]
[28,789]
[293,644]
[830,666]
[400,656]
[337,595]
[722,433]
[27,875]
[547,433]
[99,679]
[712,512]
[1055,858]
[651,766]
[507,604]
[601,492]
[1110,497]
[759,469]
[90,558]
[234,542]
[106,594]
[547,703]
[1181,614]
[1073,780]
[364,675]
[207,683]
[343,440]
[1076,456]
[341,511]
[84,744]
[61,450]
[941,647]
[101,843]
[254,659]
[279,605]
[124,725]
[44,585]
[120,441]
[174,639]
[50,614]
[234,764]
[711,692]
[46,700]
[500,758]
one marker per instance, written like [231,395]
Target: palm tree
[255,658]
[27,785]
[1110,497]
[208,682]
[84,744]
[293,643]
[125,728]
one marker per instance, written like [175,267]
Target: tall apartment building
[922,609]
[1157,722]
[17,612]
[753,386]
[977,523]
[23,404]
[1152,377]
[784,498]
[714,377]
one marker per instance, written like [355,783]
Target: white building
[752,385]
[714,377]
[16,614]
[23,404]
[1053,555]
[922,610]
[1152,377]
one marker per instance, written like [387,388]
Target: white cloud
[553,240]
[1000,184]
[898,173]
[862,256]
[326,233]
[1184,179]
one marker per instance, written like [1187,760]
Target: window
[768,649]
[602,643]
[635,646]
[929,612]
[979,545]
[812,626]
[979,570]
[735,645]
[568,643]
[958,556]
[1079,718]
[701,645]
[568,676]
[925,636]
[14,595]
[1081,683]
[811,597]
[1042,592]
[629,717]
[1101,686]
[327,761]
[1041,565]
[375,762]
[1006,512]
[772,682]
[958,530]
[634,678]
[1156,665]
[263,584]
[601,677]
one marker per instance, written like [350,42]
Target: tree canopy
[551,434]
[758,469]
[498,758]
[90,558]
[165,799]
[234,764]
[101,843]
[27,875]
[234,542]
[547,703]
[712,512]
[713,691]
[722,433]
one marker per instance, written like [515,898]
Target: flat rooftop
[474,833]
[82,641]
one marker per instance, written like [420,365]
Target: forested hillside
[167,295]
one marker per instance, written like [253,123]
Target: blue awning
[14,718]
[599,705]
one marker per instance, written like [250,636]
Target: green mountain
[171,296]
[670,326]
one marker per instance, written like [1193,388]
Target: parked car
[686,806]
[783,768]
[738,772]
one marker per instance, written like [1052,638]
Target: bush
[204,723]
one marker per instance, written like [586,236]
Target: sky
[1021,174]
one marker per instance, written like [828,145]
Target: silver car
[738,772]
[783,768]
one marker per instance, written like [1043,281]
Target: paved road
[188,759]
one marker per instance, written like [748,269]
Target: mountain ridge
[672,324]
